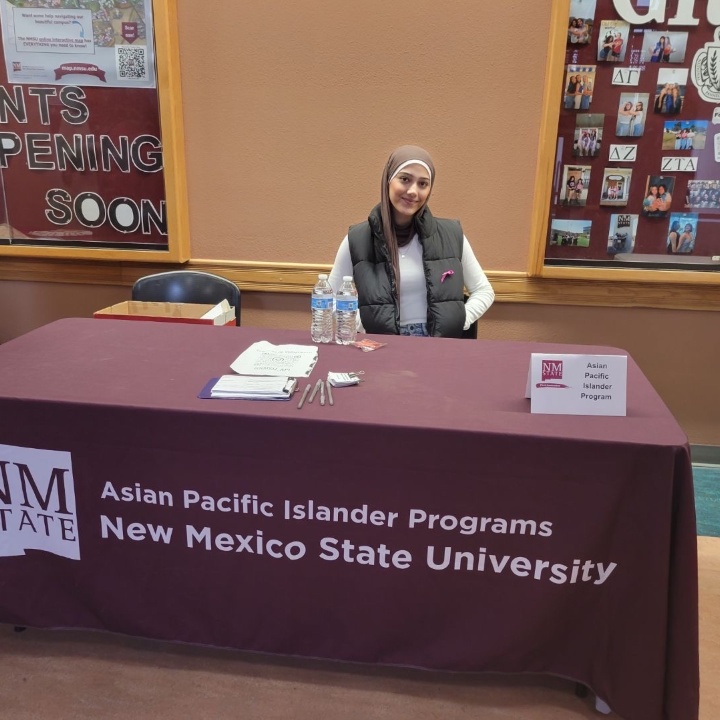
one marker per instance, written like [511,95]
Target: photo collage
[638,159]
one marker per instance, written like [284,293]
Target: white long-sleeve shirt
[412,287]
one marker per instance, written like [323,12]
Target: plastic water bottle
[321,328]
[346,305]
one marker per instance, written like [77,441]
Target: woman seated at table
[410,268]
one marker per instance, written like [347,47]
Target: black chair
[187,286]
[471,332]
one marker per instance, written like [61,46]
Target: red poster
[81,163]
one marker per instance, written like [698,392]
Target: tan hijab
[400,158]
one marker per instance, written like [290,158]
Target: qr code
[131,62]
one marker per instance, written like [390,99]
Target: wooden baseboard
[705,454]
[510,287]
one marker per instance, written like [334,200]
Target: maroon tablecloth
[426,519]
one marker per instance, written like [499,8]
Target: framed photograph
[703,194]
[634,113]
[615,186]
[670,90]
[581,21]
[587,141]
[658,196]
[663,46]
[682,233]
[579,85]
[613,40]
[576,179]
[570,233]
[684,135]
[621,237]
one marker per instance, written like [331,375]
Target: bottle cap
[347,278]
[322,276]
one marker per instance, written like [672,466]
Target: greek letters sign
[37,502]
[577,384]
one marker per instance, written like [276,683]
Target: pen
[304,395]
[330,397]
[314,392]
[322,393]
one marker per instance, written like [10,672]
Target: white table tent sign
[577,384]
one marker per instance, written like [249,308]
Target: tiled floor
[706,479]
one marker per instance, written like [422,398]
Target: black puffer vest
[442,244]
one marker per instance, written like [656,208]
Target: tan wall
[293,107]
[290,111]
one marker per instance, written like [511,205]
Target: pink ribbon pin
[446,274]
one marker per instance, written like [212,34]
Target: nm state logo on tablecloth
[37,502]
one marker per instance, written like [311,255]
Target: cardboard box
[220,314]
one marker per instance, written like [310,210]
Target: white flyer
[99,43]
[264,358]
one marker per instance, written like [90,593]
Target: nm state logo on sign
[552,370]
[37,502]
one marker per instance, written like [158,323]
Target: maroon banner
[79,69]
[130,31]
[81,166]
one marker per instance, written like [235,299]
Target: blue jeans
[418,329]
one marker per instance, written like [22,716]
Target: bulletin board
[91,145]
[628,182]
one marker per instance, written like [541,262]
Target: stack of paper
[254,388]
[220,314]
[264,358]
